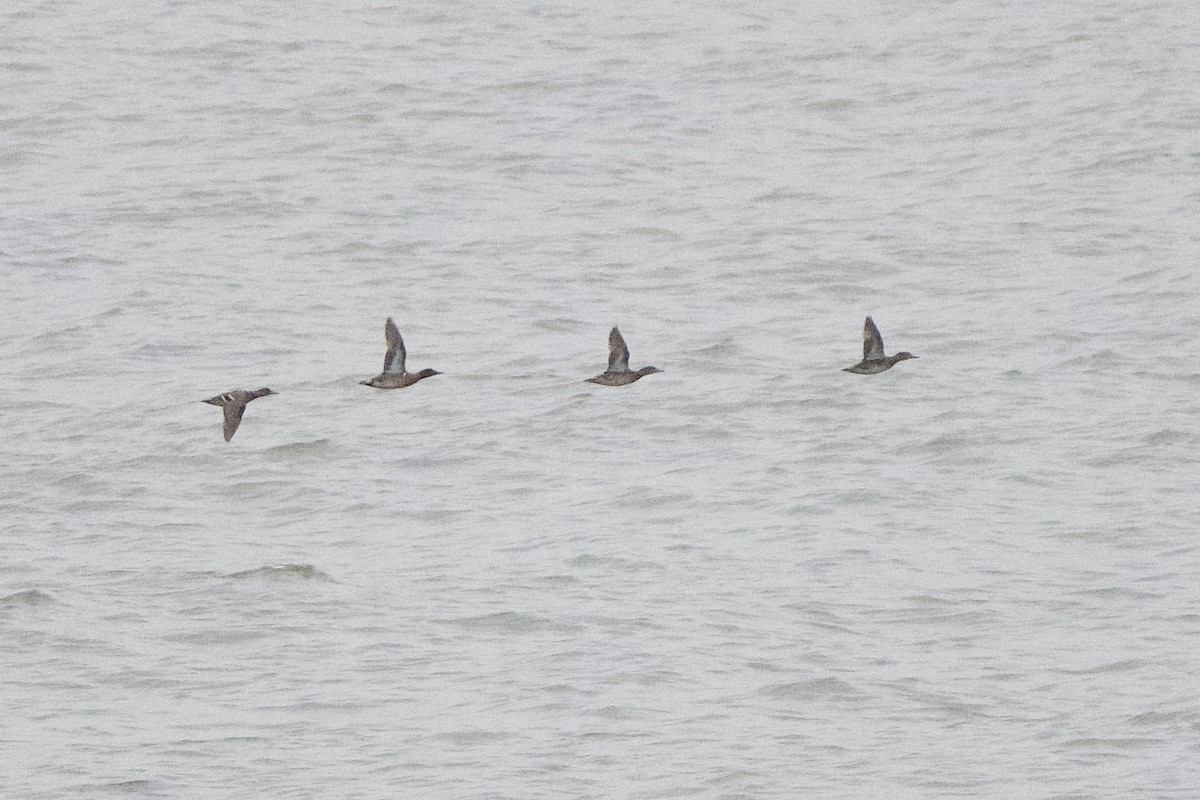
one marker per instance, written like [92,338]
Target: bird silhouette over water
[393,375]
[618,372]
[874,360]
[234,405]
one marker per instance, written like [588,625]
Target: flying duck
[234,405]
[393,375]
[618,372]
[874,360]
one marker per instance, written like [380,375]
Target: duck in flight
[874,360]
[393,375]
[618,372]
[234,405]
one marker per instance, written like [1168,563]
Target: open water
[751,576]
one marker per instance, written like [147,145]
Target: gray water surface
[751,576]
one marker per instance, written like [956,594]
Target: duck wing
[233,416]
[618,352]
[872,341]
[396,354]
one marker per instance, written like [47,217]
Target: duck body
[610,378]
[394,376]
[876,365]
[874,361]
[618,372]
[233,403]
[392,380]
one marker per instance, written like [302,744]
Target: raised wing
[396,354]
[618,353]
[872,341]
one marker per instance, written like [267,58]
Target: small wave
[1167,436]
[471,737]
[1165,718]
[138,787]
[655,233]
[588,561]
[558,324]
[511,621]
[281,572]
[1100,360]
[1126,743]
[1115,666]
[315,447]
[1145,277]
[809,690]
[24,66]
[31,597]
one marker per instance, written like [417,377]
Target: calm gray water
[751,576]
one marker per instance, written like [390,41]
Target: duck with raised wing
[874,361]
[234,405]
[618,372]
[393,375]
